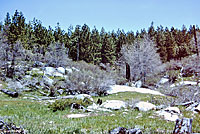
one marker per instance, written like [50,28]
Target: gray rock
[134,131]
[48,81]
[144,106]
[113,104]
[75,69]
[138,84]
[57,74]
[49,71]
[15,85]
[38,64]
[163,80]
[83,96]
[95,107]
[119,130]
[173,110]
[122,130]
[60,91]
[169,113]
[68,70]
[35,69]
[61,70]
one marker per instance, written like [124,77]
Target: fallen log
[10,93]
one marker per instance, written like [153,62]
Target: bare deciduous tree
[56,55]
[10,54]
[142,58]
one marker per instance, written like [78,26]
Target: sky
[129,15]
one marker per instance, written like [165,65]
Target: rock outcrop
[144,106]
[169,113]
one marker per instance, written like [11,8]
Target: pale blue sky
[111,14]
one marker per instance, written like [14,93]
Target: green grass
[38,118]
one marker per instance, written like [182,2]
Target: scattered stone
[68,70]
[160,107]
[138,84]
[134,131]
[47,80]
[173,110]
[113,104]
[169,113]
[61,70]
[14,85]
[65,77]
[183,126]
[84,96]
[60,91]
[35,69]
[75,69]
[57,74]
[119,130]
[38,64]
[27,77]
[163,80]
[95,107]
[122,130]
[144,106]
[49,71]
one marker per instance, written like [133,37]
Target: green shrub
[67,103]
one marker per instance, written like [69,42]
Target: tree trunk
[183,126]
[128,71]
[195,39]
[10,93]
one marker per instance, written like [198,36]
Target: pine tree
[170,44]
[121,40]
[74,48]
[160,42]
[95,47]
[108,49]
[59,34]
[130,38]
[17,28]
[152,32]
[85,44]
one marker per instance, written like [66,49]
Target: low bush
[67,103]
[88,78]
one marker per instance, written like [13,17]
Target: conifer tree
[121,40]
[160,42]
[59,34]
[95,46]
[74,48]
[108,49]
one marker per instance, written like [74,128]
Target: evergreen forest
[94,46]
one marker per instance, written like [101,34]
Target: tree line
[93,46]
